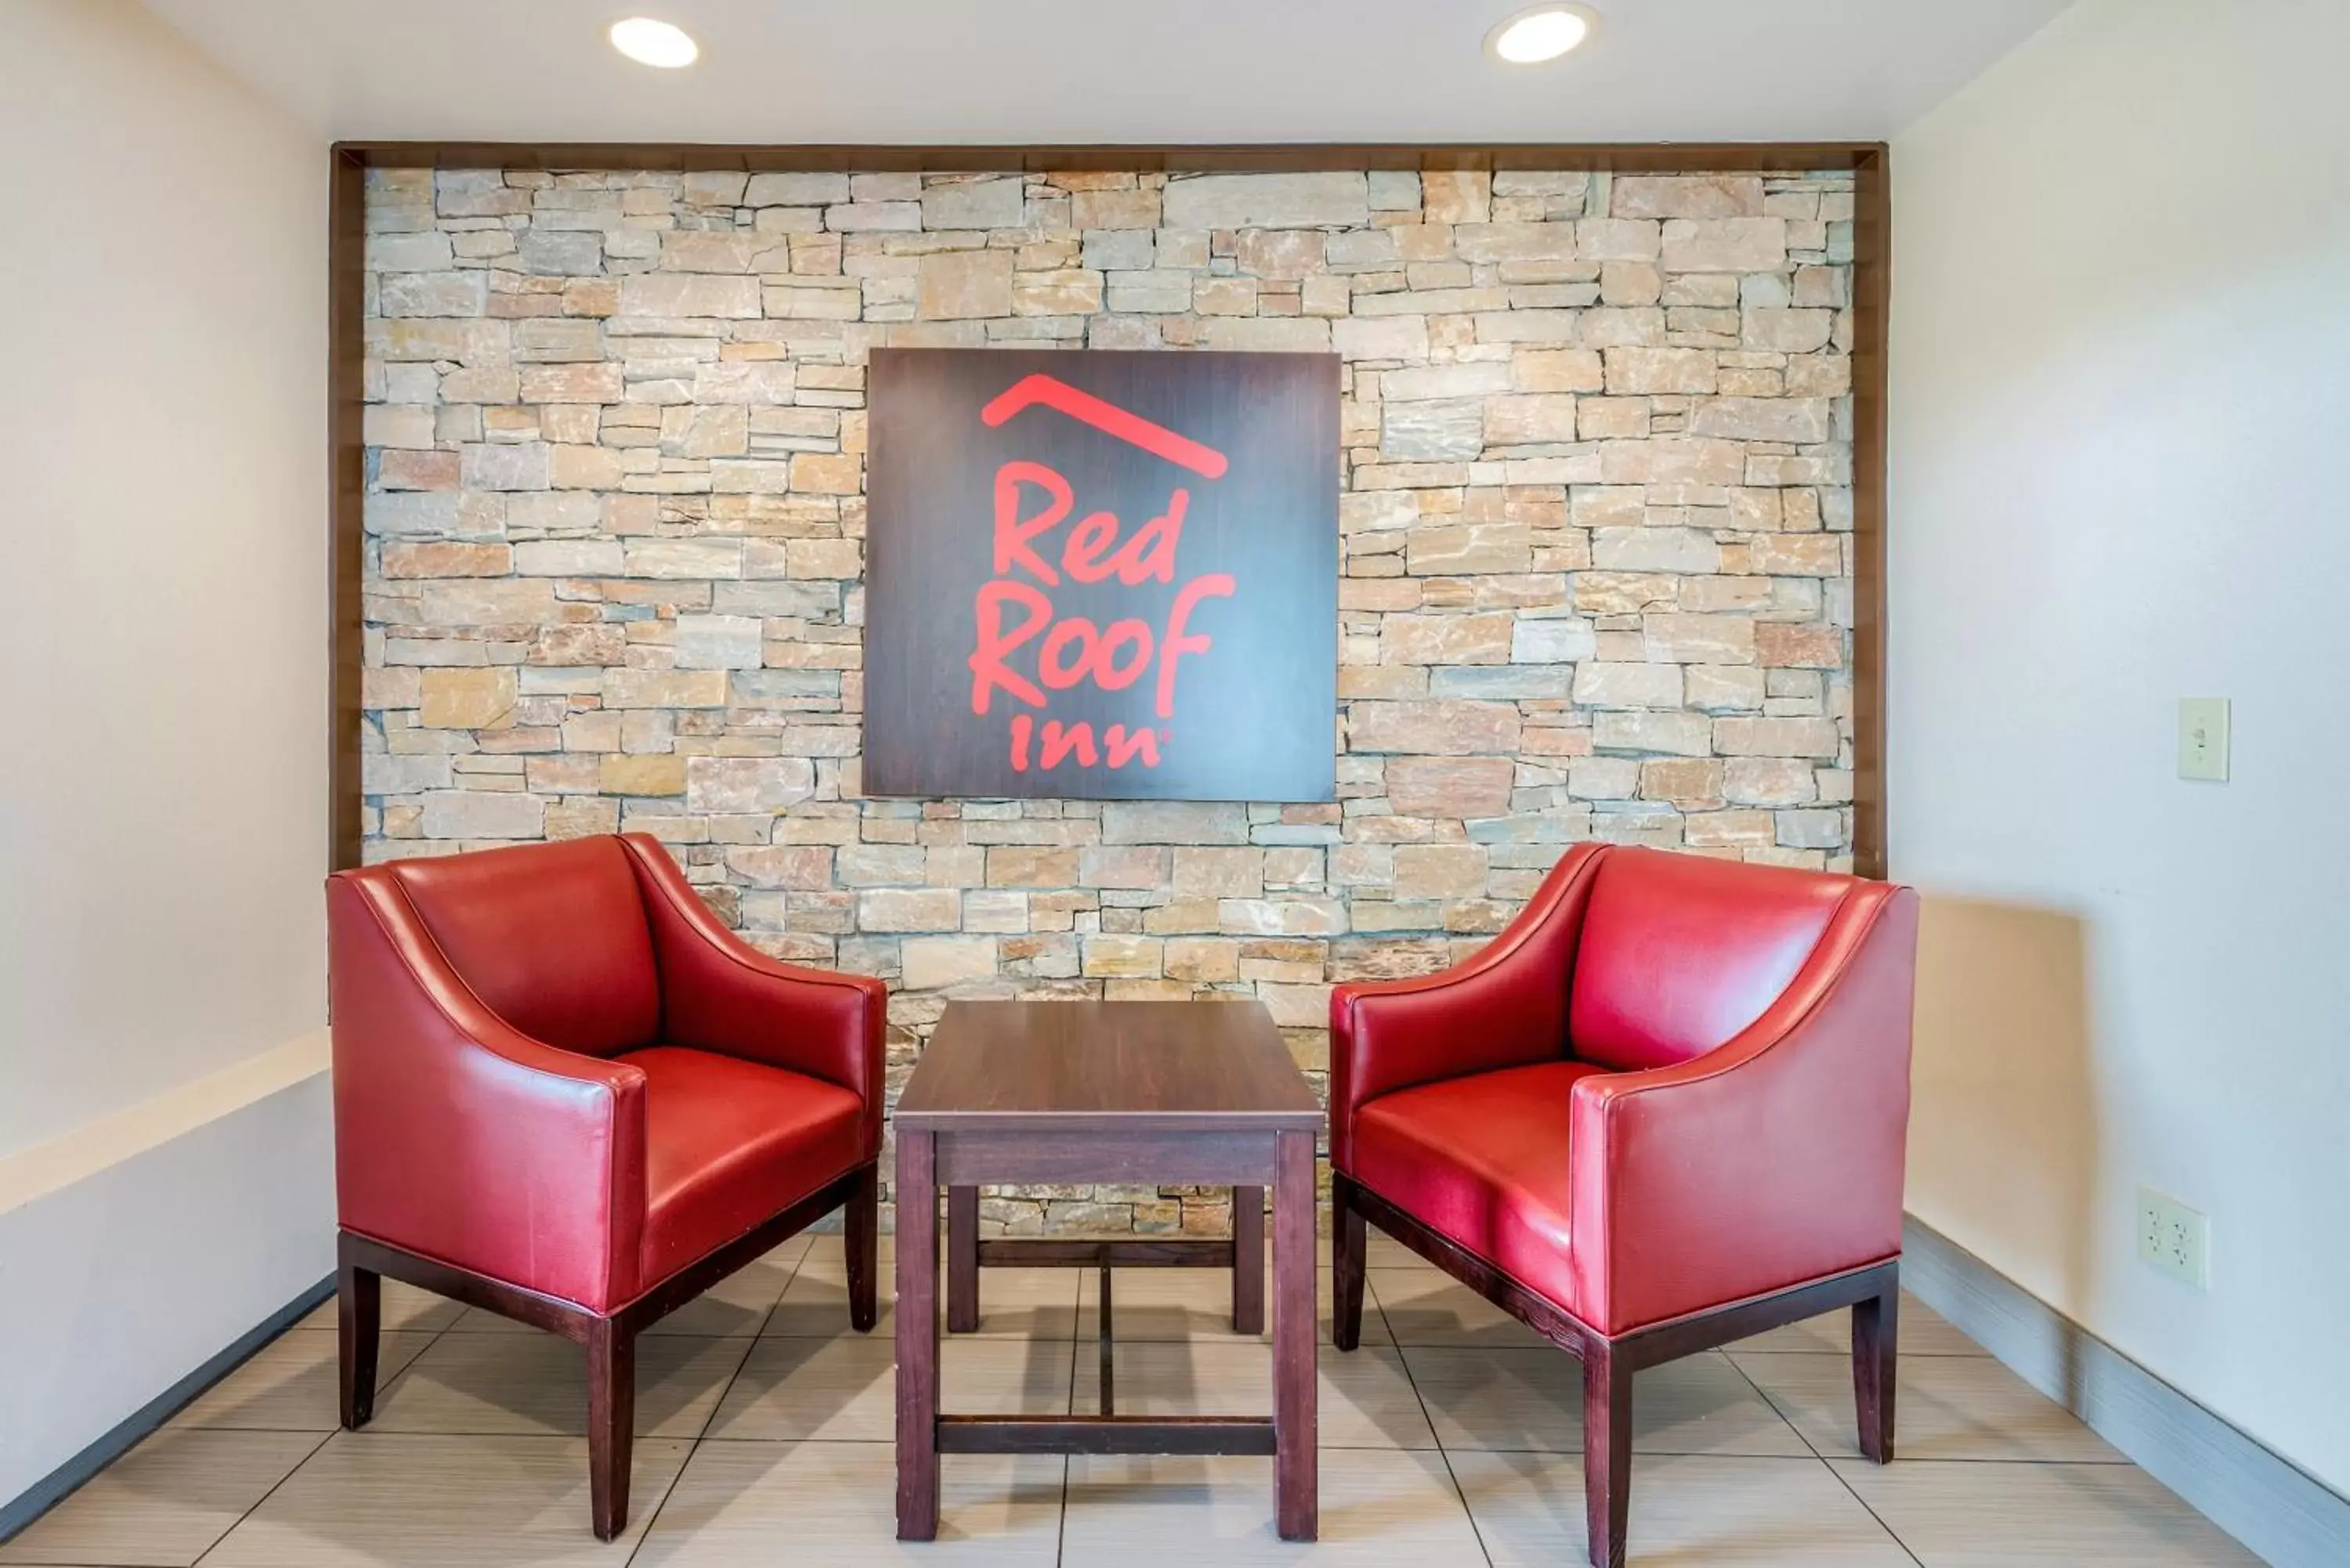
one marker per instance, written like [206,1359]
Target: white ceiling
[1108,71]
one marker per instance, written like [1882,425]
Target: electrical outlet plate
[2203,737]
[2173,1238]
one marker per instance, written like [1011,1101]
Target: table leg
[917,1336]
[1248,1260]
[962,1260]
[1297,1510]
[1108,1345]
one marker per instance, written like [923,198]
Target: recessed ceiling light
[1541,33]
[652,43]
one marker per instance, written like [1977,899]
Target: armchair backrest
[551,936]
[1679,953]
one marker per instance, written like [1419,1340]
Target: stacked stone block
[1596,545]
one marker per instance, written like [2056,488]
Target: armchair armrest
[1504,1007]
[1774,1159]
[718,993]
[462,1139]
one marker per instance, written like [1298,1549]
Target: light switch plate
[2203,737]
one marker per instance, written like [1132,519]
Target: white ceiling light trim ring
[651,42]
[1540,33]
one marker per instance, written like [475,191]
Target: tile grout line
[386,1387]
[1803,1439]
[265,1497]
[1069,1402]
[1442,1453]
[1771,1405]
[693,1444]
[1076,1343]
[646,1534]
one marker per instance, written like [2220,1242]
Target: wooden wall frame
[346,264]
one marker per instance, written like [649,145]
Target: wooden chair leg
[962,1260]
[861,1240]
[611,1423]
[1348,1244]
[1876,1331]
[1607,1451]
[358,1319]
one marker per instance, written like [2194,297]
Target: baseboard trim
[60,1484]
[2279,1511]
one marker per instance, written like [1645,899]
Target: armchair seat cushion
[1481,1160]
[730,1143]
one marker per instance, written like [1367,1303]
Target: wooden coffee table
[1194,1093]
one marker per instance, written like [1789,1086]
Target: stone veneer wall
[1597,553]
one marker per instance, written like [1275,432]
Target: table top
[1209,1067]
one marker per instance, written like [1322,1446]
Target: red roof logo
[1084,407]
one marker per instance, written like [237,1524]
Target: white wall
[162,700]
[2121,475]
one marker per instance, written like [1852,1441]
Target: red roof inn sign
[1101,575]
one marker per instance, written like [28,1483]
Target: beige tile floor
[764,1429]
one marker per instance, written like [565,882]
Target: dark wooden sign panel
[1101,575]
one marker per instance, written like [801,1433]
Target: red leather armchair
[1665,1109]
[564,1092]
